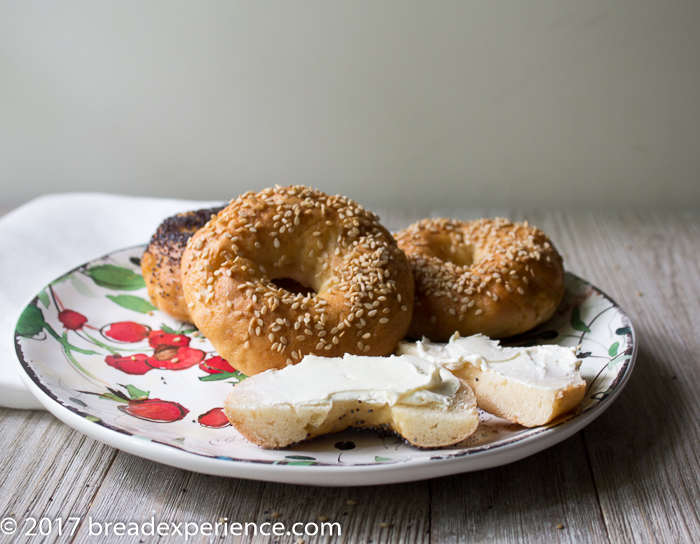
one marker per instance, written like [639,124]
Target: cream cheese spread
[403,379]
[544,367]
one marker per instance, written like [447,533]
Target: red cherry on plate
[159,339]
[216,365]
[155,410]
[169,358]
[126,331]
[214,418]
[72,320]
[131,364]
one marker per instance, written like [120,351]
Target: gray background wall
[395,103]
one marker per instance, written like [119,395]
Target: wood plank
[376,514]
[48,470]
[137,490]
[644,464]
[549,497]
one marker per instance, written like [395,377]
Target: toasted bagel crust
[160,262]
[359,285]
[489,276]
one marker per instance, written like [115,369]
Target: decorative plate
[101,358]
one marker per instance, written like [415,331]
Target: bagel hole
[459,255]
[293,286]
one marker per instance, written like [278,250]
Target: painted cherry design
[216,365]
[218,369]
[214,419]
[172,351]
[158,339]
[155,410]
[130,364]
[170,358]
[72,320]
[137,404]
[126,331]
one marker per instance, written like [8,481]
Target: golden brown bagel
[354,285]
[489,276]
[160,262]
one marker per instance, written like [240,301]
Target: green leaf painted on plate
[112,396]
[615,360]
[623,330]
[31,322]
[135,393]
[378,459]
[92,418]
[301,463]
[222,376]
[44,298]
[613,349]
[576,322]
[82,288]
[115,277]
[130,302]
[167,329]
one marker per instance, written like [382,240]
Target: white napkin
[53,234]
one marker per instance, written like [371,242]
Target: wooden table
[633,475]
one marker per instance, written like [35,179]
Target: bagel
[530,386]
[426,406]
[291,271]
[488,276]
[160,262]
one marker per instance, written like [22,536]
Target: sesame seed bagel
[291,271]
[488,276]
[160,262]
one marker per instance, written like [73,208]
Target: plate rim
[321,474]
